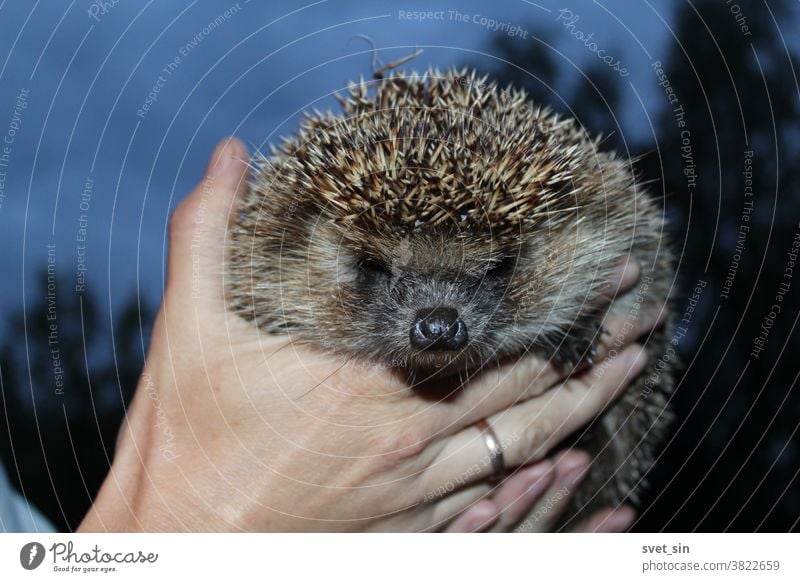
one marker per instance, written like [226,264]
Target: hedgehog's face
[439,301]
[427,301]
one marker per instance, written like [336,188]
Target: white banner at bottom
[402,557]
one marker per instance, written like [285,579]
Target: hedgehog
[440,223]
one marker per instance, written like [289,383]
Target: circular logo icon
[31,555]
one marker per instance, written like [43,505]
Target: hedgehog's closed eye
[373,270]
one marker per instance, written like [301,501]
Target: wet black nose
[438,329]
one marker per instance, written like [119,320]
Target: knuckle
[182,219]
[535,375]
[403,445]
[531,440]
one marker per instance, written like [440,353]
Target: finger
[477,517]
[527,431]
[495,389]
[570,469]
[533,428]
[516,496]
[622,330]
[198,227]
[625,276]
[446,505]
[492,390]
[510,500]
[608,520]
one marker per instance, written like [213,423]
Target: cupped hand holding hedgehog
[233,430]
[441,225]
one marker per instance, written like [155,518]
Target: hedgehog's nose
[438,329]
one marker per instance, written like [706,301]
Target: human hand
[233,430]
[534,497]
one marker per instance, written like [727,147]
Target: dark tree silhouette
[56,440]
[733,463]
[740,95]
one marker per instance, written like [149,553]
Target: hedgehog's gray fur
[469,196]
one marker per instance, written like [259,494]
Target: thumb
[198,229]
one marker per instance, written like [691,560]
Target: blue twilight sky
[85,72]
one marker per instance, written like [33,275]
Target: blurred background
[109,110]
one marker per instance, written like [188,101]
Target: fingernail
[625,274]
[619,272]
[629,273]
[572,478]
[541,477]
[574,468]
[221,159]
[651,318]
[620,520]
[483,519]
[638,359]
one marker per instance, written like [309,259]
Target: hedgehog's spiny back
[422,150]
